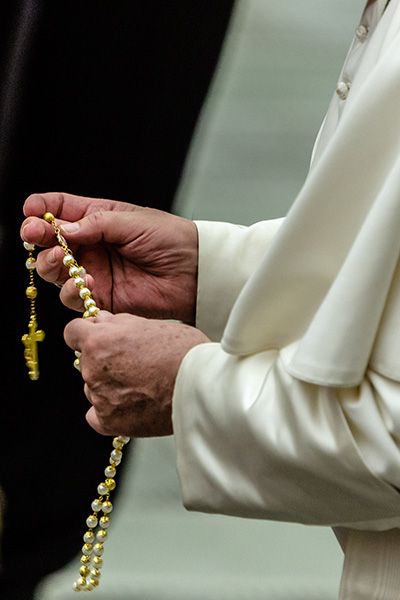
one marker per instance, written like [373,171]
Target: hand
[140,260]
[129,365]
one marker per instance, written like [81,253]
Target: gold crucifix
[30,341]
[34,334]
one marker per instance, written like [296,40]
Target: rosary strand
[97,526]
[34,334]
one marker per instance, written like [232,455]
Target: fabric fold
[329,280]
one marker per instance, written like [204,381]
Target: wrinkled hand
[140,260]
[129,365]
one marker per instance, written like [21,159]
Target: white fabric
[329,282]
[228,255]
[371,568]
[254,442]
[296,416]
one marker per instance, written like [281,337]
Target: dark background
[97,98]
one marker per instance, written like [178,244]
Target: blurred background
[247,159]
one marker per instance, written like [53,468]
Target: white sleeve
[253,441]
[228,255]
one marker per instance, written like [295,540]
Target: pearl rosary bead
[91,554]
[110,471]
[88,537]
[91,521]
[107,507]
[97,505]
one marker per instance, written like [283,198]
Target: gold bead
[87,548]
[82,582]
[68,261]
[84,571]
[98,561]
[98,549]
[85,560]
[117,443]
[110,471]
[30,263]
[88,537]
[31,292]
[107,506]
[102,535]
[104,522]
[95,573]
[110,483]
[49,217]
[94,582]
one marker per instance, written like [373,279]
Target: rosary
[96,534]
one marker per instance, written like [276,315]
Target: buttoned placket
[369,20]
[362,35]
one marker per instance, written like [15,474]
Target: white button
[362,33]
[342,89]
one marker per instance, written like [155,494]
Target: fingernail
[23,231]
[70,227]
[53,258]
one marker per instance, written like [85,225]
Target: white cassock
[293,412]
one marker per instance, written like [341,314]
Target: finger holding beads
[70,293]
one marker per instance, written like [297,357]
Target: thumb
[109,226]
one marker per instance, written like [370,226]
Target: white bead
[98,549]
[117,444]
[110,471]
[116,456]
[95,574]
[68,260]
[82,270]
[91,521]
[74,271]
[29,246]
[104,522]
[102,535]
[78,354]
[97,505]
[79,281]
[87,549]
[82,582]
[107,507]
[83,292]
[88,538]
[31,263]
[88,303]
[124,439]
[93,310]
[102,489]
[98,561]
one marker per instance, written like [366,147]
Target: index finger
[65,206]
